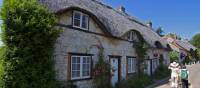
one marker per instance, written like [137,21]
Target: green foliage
[29,36]
[198,53]
[194,54]
[2,51]
[70,84]
[196,40]
[102,72]
[174,56]
[161,59]
[161,72]
[136,81]
[187,60]
[141,48]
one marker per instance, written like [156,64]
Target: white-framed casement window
[80,20]
[132,36]
[131,64]
[80,67]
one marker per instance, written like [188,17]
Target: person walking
[184,74]
[175,68]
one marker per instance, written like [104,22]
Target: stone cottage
[90,24]
[183,47]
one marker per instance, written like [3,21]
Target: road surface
[194,77]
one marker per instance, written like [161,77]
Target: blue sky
[176,16]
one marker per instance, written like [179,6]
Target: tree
[174,56]
[198,54]
[160,31]
[29,34]
[196,40]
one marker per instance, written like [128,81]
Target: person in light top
[175,67]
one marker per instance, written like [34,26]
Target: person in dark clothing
[184,74]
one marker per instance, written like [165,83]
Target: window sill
[81,79]
[131,73]
[80,28]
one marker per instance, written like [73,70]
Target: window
[80,20]
[80,67]
[132,36]
[131,63]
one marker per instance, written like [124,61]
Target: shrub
[29,36]
[2,51]
[161,72]
[102,74]
[136,81]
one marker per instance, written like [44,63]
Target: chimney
[122,9]
[149,24]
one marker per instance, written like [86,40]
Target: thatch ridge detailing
[116,22]
[185,44]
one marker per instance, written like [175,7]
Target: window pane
[75,74]
[77,15]
[75,67]
[78,60]
[84,59]
[129,65]
[73,59]
[86,66]
[77,19]
[86,73]
[88,59]
[84,21]
[76,22]
[133,65]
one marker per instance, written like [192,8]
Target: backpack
[184,74]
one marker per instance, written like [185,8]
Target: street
[194,77]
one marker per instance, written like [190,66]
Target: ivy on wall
[102,71]
[141,48]
[29,36]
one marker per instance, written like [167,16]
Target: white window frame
[81,67]
[81,20]
[132,36]
[133,62]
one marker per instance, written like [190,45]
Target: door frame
[119,65]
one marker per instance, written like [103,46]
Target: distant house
[183,47]
[90,24]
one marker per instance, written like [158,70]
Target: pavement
[194,77]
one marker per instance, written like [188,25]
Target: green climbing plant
[29,34]
[141,48]
[102,72]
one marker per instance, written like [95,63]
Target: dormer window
[132,36]
[80,20]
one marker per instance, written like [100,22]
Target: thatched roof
[116,22]
[185,44]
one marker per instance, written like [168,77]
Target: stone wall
[80,42]
[77,41]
